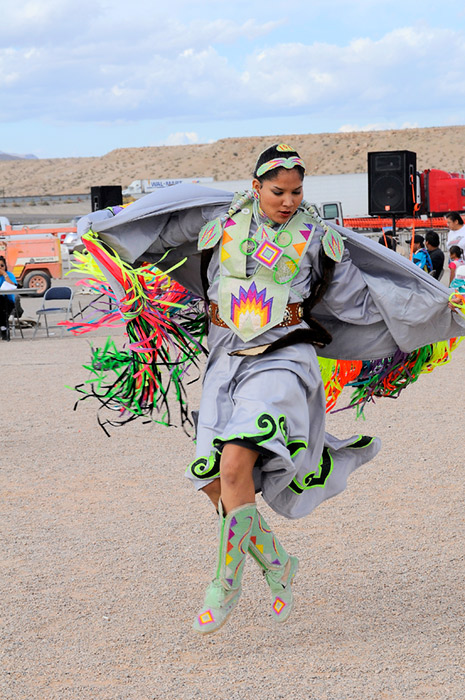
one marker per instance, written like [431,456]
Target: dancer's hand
[456,303]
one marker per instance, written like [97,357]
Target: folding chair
[15,318]
[55,294]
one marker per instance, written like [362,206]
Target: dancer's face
[280,197]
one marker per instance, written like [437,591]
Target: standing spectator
[456,260]
[458,283]
[435,253]
[456,230]
[421,256]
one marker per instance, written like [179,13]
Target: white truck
[139,187]
[349,191]
[4,222]
[321,190]
[330,194]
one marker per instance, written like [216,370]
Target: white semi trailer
[139,187]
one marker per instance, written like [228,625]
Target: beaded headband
[287,163]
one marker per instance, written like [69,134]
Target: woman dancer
[279,285]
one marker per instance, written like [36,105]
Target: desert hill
[230,159]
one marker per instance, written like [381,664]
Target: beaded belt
[293,314]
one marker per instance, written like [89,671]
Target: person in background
[456,260]
[435,253]
[456,228]
[388,240]
[7,301]
[421,256]
[458,283]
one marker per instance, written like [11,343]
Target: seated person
[388,240]
[435,253]
[7,301]
[421,256]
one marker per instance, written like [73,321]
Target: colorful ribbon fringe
[165,326]
[384,377]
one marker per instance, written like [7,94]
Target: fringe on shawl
[383,377]
[166,326]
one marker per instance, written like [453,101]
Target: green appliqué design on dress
[206,467]
[265,422]
[317,478]
[209,467]
[325,467]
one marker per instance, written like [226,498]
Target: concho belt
[293,315]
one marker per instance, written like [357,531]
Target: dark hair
[456,250]
[455,216]
[387,241]
[270,154]
[3,260]
[432,238]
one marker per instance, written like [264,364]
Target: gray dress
[275,403]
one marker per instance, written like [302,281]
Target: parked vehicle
[344,199]
[4,223]
[33,259]
[441,192]
[144,186]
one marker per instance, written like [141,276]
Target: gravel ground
[106,552]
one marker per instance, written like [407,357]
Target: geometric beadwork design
[283,238]
[333,244]
[264,541]
[298,247]
[253,304]
[267,254]
[306,233]
[287,163]
[278,606]
[264,232]
[285,270]
[206,617]
[210,234]
[235,553]
[224,253]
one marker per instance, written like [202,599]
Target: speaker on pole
[390,178]
[106,196]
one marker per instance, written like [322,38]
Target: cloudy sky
[82,78]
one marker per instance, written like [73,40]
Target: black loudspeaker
[390,178]
[106,196]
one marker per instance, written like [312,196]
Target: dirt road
[106,553]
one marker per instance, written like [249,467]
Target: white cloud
[180,138]
[396,72]
[377,126]
[187,70]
